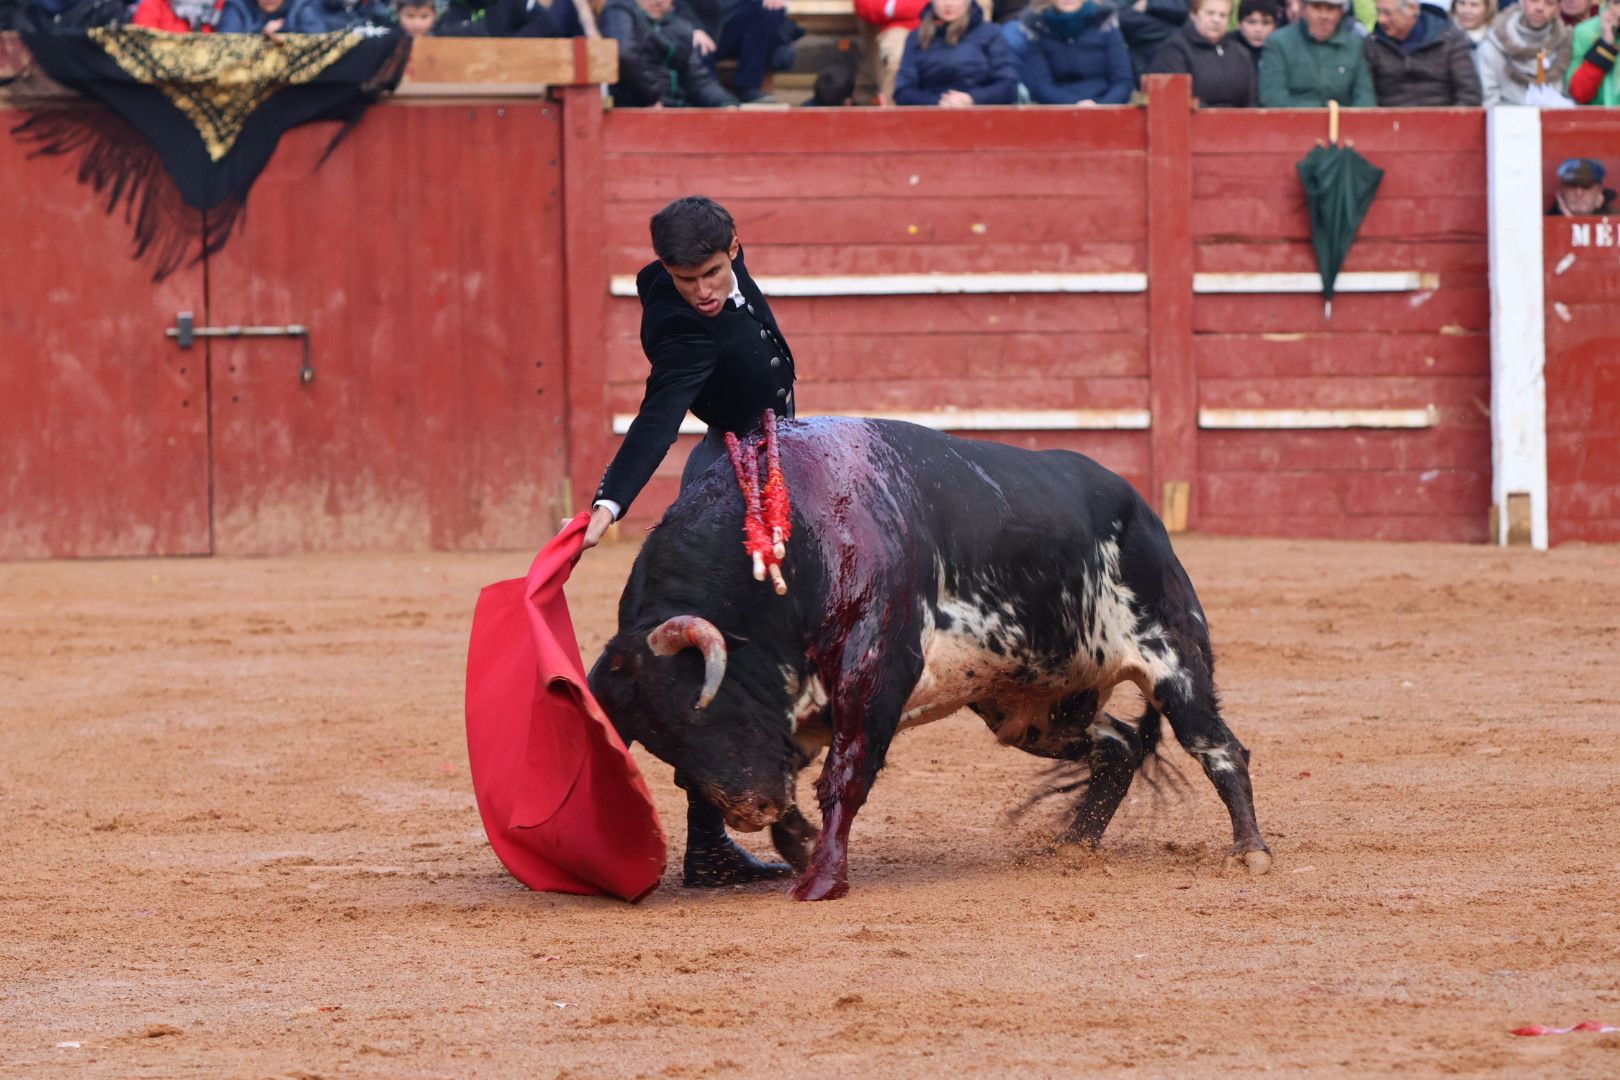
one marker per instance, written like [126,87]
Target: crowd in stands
[959,54]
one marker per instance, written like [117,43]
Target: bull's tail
[1074,777]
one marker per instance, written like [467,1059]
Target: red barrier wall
[453,263]
[861,192]
[1583,343]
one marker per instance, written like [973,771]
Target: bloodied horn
[692,632]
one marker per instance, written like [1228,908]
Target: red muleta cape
[564,806]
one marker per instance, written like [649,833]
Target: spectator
[1574,12]
[1075,54]
[1581,190]
[349,14]
[1524,36]
[1147,25]
[1473,17]
[1592,80]
[515,18]
[1316,60]
[270,17]
[956,58]
[658,66]
[747,31]
[416,17]
[835,86]
[1418,57]
[1222,73]
[884,27]
[1257,19]
[180,16]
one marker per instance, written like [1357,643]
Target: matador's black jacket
[727,369]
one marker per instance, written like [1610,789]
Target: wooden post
[585,290]
[1173,377]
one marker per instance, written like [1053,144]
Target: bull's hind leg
[1188,700]
[1117,749]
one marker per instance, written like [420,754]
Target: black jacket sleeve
[683,359]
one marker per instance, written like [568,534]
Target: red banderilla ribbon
[767,520]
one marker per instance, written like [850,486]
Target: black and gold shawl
[192,119]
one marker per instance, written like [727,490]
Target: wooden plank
[1109,218]
[1442,492]
[1256,356]
[924,174]
[590,447]
[1426,528]
[1421,174]
[960,419]
[1294,419]
[1461,261]
[1358,450]
[873,131]
[1173,373]
[910,257]
[1348,281]
[954,315]
[1270,218]
[1461,400]
[1372,131]
[861,357]
[985,392]
[454,66]
[1445,311]
[934,284]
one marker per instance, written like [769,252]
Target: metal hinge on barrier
[185,331]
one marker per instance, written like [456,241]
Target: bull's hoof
[814,886]
[1257,862]
[727,864]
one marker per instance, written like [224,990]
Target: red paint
[103,420]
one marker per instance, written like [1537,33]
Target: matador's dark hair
[689,230]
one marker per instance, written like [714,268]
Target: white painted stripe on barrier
[1518,316]
[973,420]
[1356,281]
[929,284]
[1315,419]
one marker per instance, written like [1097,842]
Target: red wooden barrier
[1583,343]
[454,264]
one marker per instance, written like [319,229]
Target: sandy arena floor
[240,841]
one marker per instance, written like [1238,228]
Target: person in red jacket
[179,16]
[884,26]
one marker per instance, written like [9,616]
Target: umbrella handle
[1333,122]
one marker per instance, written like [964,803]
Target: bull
[926,574]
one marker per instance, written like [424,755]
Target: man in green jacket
[1316,60]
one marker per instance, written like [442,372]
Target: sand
[240,840]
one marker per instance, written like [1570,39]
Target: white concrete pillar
[1518,322]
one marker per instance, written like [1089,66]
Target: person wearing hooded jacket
[657,64]
[1075,54]
[1314,60]
[284,17]
[956,58]
[1526,35]
[1419,57]
[1147,25]
[1222,73]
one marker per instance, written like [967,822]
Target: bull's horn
[692,632]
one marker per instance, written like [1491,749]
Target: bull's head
[726,736]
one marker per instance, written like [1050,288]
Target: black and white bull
[926,574]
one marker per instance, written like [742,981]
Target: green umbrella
[1339,187]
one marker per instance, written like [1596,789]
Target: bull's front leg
[867,700]
[713,859]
